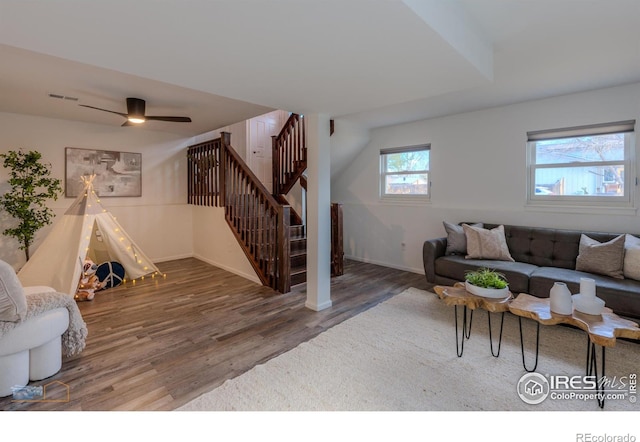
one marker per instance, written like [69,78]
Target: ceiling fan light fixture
[136,113]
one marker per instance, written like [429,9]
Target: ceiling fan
[135,113]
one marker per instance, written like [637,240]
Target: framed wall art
[118,174]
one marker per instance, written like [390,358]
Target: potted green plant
[31,186]
[487,283]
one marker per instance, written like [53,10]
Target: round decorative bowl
[486,293]
[589,305]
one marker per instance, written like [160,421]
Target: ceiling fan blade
[173,119]
[105,110]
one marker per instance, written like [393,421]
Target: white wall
[214,242]
[238,133]
[159,221]
[478,163]
[347,141]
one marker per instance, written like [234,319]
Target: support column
[318,212]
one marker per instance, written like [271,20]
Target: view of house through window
[588,163]
[405,171]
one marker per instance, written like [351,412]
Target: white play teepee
[87,230]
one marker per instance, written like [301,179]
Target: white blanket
[74,338]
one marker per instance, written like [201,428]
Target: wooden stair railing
[260,221]
[203,173]
[289,156]
[219,177]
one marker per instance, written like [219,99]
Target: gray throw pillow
[605,258]
[456,238]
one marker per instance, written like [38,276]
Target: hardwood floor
[165,341]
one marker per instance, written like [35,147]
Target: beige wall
[160,221]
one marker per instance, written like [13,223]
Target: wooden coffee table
[457,295]
[601,330]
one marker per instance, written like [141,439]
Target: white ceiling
[373,62]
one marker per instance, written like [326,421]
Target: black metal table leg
[495,354]
[522,345]
[592,370]
[466,328]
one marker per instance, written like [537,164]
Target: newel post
[275,164]
[284,249]
[225,142]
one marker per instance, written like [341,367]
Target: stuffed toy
[89,282]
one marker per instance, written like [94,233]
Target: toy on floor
[89,282]
[110,274]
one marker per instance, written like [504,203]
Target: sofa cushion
[456,238]
[631,267]
[546,247]
[13,303]
[517,273]
[486,244]
[605,258]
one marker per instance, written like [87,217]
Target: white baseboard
[385,264]
[252,278]
[173,258]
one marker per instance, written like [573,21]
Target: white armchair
[35,331]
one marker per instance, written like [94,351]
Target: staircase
[289,162]
[271,234]
[298,254]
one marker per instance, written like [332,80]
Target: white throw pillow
[631,267]
[486,244]
[13,303]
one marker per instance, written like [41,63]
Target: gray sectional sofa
[542,257]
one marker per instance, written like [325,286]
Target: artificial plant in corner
[31,186]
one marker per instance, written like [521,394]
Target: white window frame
[391,197]
[584,201]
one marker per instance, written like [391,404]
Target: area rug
[401,355]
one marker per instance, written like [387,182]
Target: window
[587,165]
[404,172]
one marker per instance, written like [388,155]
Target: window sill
[405,200]
[592,210]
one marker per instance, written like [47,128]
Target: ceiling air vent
[63,97]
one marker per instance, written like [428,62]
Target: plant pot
[487,293]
